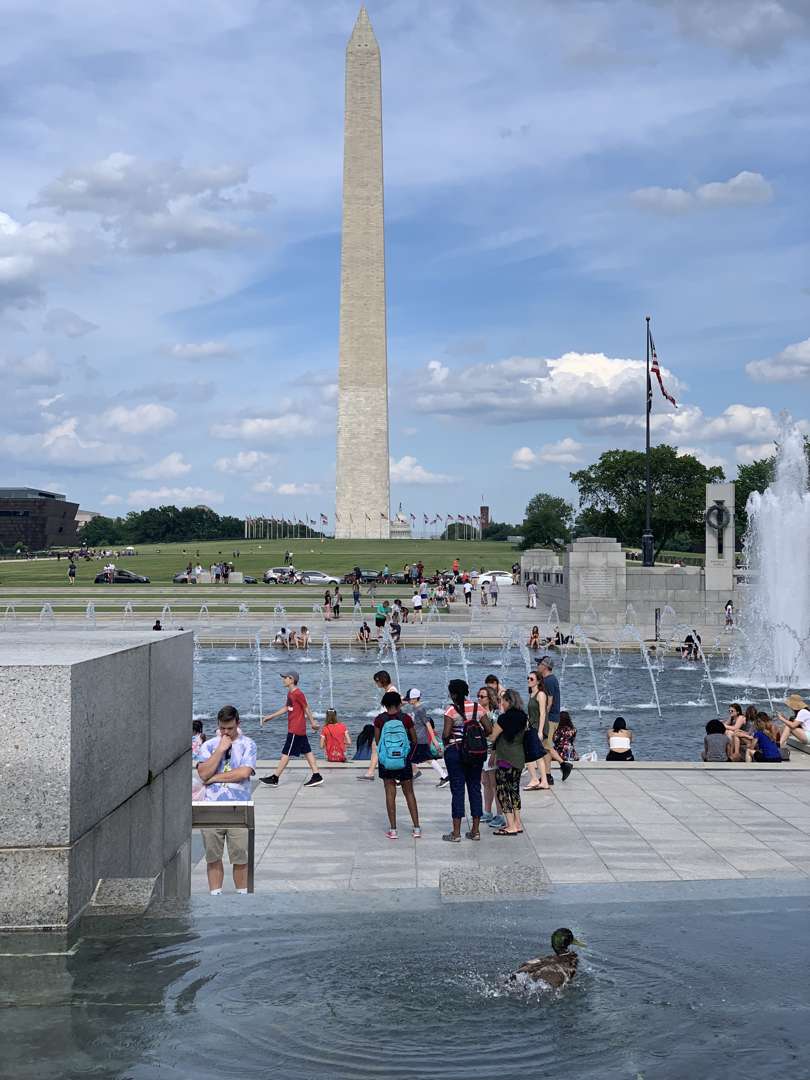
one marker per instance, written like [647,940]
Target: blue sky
[555,171]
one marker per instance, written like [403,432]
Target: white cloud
[264,429]
[575,386]
[111,500]
[62,321]
[754,28]
[703,456]
[563,452]
[296,489]
[755,451]
[790,365]
[188,496]
[263,487]
[157,207]
[408,471]
[207,350]
[437,374]
[38,369]
[245,462]
[738,424]
[170,466]
[28,253]
[142,420]
[745,189]
[62,444]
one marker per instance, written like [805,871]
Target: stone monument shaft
[362,486]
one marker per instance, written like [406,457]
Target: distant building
[484,517]
[83,516]
[37,519]
[400,527]
[202,506]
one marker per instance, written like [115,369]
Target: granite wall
[95,756]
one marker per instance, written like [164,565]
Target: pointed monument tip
[363,32]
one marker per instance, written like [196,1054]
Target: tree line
[161,525]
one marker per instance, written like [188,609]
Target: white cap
[412,694]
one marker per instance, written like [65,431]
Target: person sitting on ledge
[364,634]
[534,638]
[619,739]
[759,746]
[799,726]
[282,638]
[716,744]
[302,639]
[157,625]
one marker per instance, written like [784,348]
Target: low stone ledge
[461,882]
[122,896]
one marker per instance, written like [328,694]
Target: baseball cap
[547,662]
[412,694]
[291,674]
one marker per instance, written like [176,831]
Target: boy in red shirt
[296,742]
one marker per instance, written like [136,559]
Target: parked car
[318,577]
[184,578]
[366,575]
[249,580]
[123,577]
[275,574]
[503,577]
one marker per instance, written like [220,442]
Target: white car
[318,577]
[503,577]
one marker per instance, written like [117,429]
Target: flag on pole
[656,370]
[338,519]
[426,519]
[382,515]
[439,518]
[368,518]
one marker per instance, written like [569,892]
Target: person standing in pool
[296,742]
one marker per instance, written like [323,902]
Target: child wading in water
[334,737]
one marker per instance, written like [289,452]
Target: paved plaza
[646,822]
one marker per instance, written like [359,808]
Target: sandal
[451,838]
[533,786]
[473,835]
[503,832]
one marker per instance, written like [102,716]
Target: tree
[612,493]
[102,531]
[499,530]
[548,520]
[753,477]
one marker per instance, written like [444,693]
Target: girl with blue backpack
[395,737]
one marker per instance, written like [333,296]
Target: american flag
[657,372]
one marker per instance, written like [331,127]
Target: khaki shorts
[214,841]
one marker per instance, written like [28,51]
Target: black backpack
[473,748]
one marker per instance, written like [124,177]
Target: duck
[558,970]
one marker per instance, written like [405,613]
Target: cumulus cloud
[563,452]
[297,489]
[62,321]
[62,443]
[157,207]
[166,469]
[245,463]
[745,189]
[142,420]
[29,253]
[575,386]
[111,500]
[207,350]
[267,429]
[187,496]
[790,365]
[703,456]
[38,369]
[753,28]
[408,471]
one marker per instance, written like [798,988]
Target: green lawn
[333,556]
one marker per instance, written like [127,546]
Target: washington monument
[362,487]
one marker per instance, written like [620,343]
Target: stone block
[171,674]
[146,830]
[33,887]
[176,805]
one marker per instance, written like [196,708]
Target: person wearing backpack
[395,738]
[466,727]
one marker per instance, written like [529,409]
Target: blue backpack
[394,745]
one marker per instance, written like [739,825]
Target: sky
[555,171]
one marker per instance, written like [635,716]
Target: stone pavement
[644,822]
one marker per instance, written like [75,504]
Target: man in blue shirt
[227,762]
[544,667]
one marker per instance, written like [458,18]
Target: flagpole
[647,545]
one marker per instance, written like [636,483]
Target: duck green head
[562,939]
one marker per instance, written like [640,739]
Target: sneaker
[486,816]
[444,782]
[498,822]
[364,777]
[271,781]
[417,774]
[392,834]
[566,768]
[417,832]
[314,780]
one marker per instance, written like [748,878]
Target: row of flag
[462,518]
[323,519]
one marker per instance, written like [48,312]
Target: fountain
[243,614]
[10,608]
[259,674]
[578,632]
[207,626]
[629,630]
[387,642]
[455,638]
[357,612]
[163,615]
[90,616]
[128,615]
[590,613]
[516,637]
[326,671]
[476,626]
[776,546]
[47,613]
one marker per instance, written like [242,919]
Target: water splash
[163,616]
[206,626]
[326,671]
[47,613]
[242,616]
[10,608]
[590,614]
[578,633]
[128,615]
[259,689]
[632,631]
[516,637]
[456,639]
[90,616]
[387,642]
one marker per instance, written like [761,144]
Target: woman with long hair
[327,606]
[536,709]
[508,733]
[488,701]
[463,774]
[563,738]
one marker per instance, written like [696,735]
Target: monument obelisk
[362,485]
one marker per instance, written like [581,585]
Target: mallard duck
[558,970]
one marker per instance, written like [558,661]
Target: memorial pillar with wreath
[719,519]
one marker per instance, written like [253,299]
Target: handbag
[435,743]
[532,747]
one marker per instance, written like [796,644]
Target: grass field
[336,557]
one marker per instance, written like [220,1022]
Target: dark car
[184,578]
[249,580]
[366,575]
[123,577]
